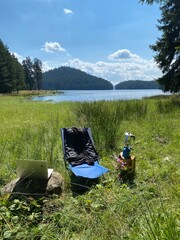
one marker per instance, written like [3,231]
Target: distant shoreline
[33,93]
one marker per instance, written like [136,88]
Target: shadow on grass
[2,182]
[25,188]
[128,178]
[81,185]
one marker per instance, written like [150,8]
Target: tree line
[137,84]
[15,76]
[67,78]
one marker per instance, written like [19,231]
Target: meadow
[145,208]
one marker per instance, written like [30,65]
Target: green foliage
[169,105]
[37,66]
[152,1]
[159,224]
[145,208]
[14,76]
[33,73]
[67,78]
[13,213]
[105,119]
[11,71]
[137,84]
[168,57]
[167,47]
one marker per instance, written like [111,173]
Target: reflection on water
[97,95]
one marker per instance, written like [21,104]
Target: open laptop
[33,169]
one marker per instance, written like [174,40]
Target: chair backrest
[78,145]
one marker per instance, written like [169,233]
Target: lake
[97,95]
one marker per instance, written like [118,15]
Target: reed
[105,119]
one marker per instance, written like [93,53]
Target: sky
[105,38]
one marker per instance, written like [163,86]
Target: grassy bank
[30,93]
[147,208]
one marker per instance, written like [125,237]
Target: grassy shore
[145,208]
[30,93]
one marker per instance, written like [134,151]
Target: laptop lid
[33,169]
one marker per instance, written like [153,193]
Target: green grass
[147,208]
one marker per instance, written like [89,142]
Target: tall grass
[106,118]
[166,106]
[145,209]
[30,130]
[159,225]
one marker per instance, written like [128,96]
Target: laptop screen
[33,169]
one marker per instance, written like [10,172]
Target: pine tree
[167,47]
[17,75]
[37,67]
[152,1]
[5,80]
[29,73]
[11,71]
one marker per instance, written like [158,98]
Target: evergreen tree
[5,81]
[33,73]
[37,67]
[11,71]
[137,84]
[167,47]
[29,73]
[17,74]
[152,1]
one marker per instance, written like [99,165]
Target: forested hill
[67,78]
[137,84]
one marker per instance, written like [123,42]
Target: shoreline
[30,93]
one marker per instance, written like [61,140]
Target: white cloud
[122,54]
[19,57]
[139,69]
[52,47]
[67,11]
[46,67]
[132,68]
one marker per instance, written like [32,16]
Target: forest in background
[137,84]
[67,78]
[15,76]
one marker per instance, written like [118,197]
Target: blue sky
[106,38]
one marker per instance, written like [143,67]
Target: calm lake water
[97,95]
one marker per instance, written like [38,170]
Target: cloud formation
[139,69]
[51,47]
[19,57]
[67,11]
[122,54]
[45,67]
[132,68]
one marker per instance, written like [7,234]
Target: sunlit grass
[146,208]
